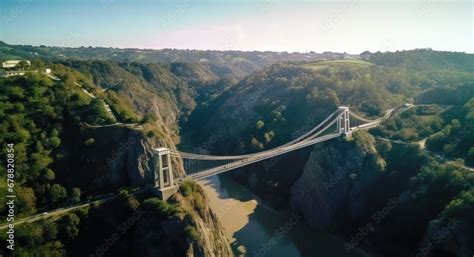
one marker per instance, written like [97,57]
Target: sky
[349,26]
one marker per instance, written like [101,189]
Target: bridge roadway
[305,140]
[308,135]
[255,158]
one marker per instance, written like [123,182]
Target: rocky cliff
[109,157]
[336,179]
[195,232]
[390,199]
[141,225]
[210,240]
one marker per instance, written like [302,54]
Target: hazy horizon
[236,50]
[267,25]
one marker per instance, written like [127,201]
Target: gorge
[376,193]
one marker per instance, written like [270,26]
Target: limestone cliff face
[172,238]
[211,240]
[121,155]
[335,180]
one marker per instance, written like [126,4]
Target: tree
[68,226]
[48,175]
[470,156]
[23,65]
[255,143]
[57,193]
[163,208]
[55,142]
[75,195]
[384,146]
[26,199]
[269,136]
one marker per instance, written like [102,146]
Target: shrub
[259,124]
[165,209]
[191,233]
[188,188]
[89,141]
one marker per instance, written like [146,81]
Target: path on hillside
[421,143]
[106,106]
[56,212]
[63,210]
[91,95]
[118,124]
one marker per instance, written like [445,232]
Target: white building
[13,63]
[14,73]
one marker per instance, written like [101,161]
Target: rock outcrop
[196,233]
[211,240]
[335,180]
[118,155]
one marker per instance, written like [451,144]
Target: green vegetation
[428,193]
[194,193]
[165,209]
[68,226]
[252,101]
[41,239]
[456,139]
[286,98]
[81,232]
[426,59]
[43,118]
[289,99]
[450,95]
[34,113]
[412,125]
[224,63]
[187,188]
[338,64]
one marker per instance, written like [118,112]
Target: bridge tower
[163,178]
[343,123]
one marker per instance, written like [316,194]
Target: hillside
[237,63]
[68,150]
[171,91]
[72,150]
[426,59]
[143,226]
[63,139]
[390,190]
[288,96]
[279,98]
[275,105]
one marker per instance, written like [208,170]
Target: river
[256,230]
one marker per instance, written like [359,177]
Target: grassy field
[340,64]
[9,57]
[353,61]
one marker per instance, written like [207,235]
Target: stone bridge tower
[163,178]
[343,123]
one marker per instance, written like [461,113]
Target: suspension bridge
[200,166]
